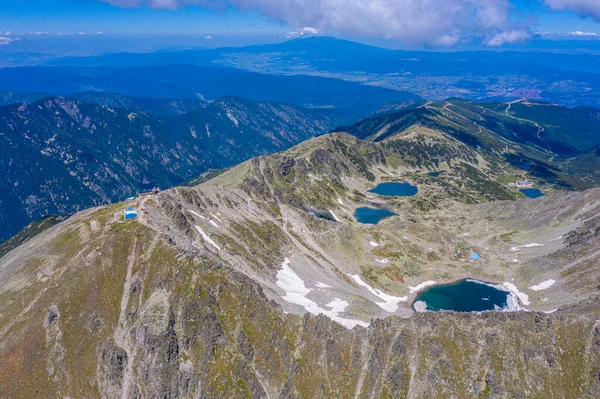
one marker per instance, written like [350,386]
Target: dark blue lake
[395,189]
[371,215]
[532,192]
[463,296]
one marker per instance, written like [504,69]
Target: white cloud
[585,8]
[447,40]
[511,36]
[6,39]
[306,31]
[425,21]
[581,34]
[577,34]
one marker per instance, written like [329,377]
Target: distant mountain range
[204,83]
[572,79]
[60,155]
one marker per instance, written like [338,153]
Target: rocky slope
[260,283]
[61,155]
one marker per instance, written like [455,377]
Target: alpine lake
[465,296]
[368,215]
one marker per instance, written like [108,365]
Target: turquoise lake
[395,189]
[463,296]
[532,192]
[371,215]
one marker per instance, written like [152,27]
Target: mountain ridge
[552,149]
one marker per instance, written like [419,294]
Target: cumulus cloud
[306,31]
[585,8]
[511,36]
[424,21]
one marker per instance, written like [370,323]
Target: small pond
[532,192]
[371,215]
[464,296]
[395,189]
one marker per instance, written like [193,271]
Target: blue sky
[64,16]
[430,23]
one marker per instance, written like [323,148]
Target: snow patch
[337,305]
[322,285]
[340,201]
[207,238]
[296,292]
[196,214]
[334,216]
[383,261]
[390,303]
[420,306]
[421,286]
[526,246]
[543,285]
[523,297]
[550,311]
[214,224]
[220,221]
[373,244]
[512,301]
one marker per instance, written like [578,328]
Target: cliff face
[193,298]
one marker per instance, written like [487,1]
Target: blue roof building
[129,213]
